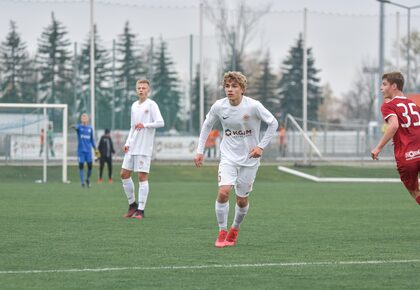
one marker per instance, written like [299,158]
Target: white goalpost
[44,124]
[304,135]
[356,138]
[337,179]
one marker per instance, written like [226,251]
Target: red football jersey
[407,138]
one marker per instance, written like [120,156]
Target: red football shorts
[409,174]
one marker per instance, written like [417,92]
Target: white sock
[240,213]
[222,212]
[143,193]
[128,186]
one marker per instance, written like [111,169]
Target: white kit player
[241,149]
[145,118]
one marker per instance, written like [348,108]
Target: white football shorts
[137,163]
[241,177]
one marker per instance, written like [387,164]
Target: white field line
[198,267]
[337,179]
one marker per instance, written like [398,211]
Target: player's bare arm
[389,133]
[198,159]
[256,152]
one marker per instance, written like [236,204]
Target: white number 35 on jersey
[409,115]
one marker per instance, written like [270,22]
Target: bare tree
[414,60]
[237,29]
[331,110]
[360,100]
[400,48]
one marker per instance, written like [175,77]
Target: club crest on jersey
[146,111]
[238,133]
[246,117]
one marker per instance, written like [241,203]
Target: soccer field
[297,234]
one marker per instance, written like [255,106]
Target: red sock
[418,199]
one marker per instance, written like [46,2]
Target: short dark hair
[107,131]
[394,77]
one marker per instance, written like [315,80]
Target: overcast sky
[343,34]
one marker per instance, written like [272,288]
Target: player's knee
[80,166]
[143,177]
[241,201]
[124,174]
[223,195]
[89,165]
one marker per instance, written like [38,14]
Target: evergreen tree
[265,86]
[165,87]
[291,84]
[130,68]
[55,67]
[195,105]
[13,60]
[102,80]
[54,61]
[30,78]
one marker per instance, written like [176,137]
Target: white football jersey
[241,129]
[140,142]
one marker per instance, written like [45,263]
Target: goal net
[33,137]
[329,152]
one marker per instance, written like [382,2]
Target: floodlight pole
[92,66]
[305,83]
[381,61]
[398,37]
[190,91]
[113,87]
[201,66]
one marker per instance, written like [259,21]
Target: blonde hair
[235,76]
[394,77]
[143,82]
